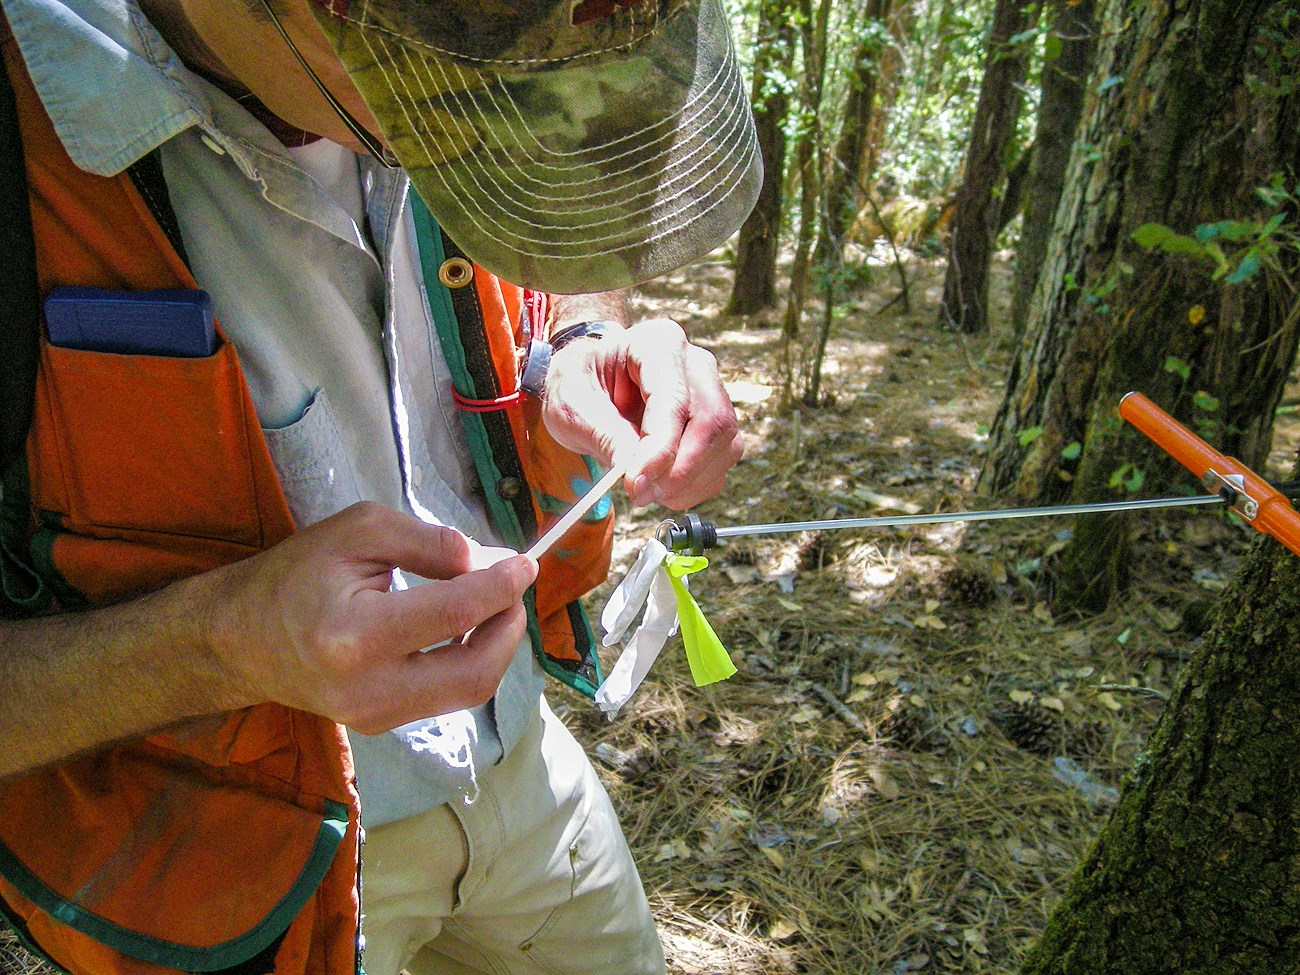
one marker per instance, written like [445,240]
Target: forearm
[311,623]
[75,681]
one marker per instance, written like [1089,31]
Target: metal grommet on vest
[508,488]
[456,272]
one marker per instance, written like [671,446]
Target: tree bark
[845,176]
[1060,105]
[754,286]
[812,30]
[975,221]
[1191,109]
[1197,872]
[901,20]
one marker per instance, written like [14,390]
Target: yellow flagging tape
[705,653]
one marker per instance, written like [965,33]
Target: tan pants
[534,876]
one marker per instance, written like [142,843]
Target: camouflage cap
[566,145]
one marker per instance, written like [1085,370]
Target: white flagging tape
[571,517]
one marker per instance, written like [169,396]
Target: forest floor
[915,754]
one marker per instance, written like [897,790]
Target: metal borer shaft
[697,536]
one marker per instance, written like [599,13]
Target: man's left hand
[645,397]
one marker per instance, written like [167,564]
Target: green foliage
[1234,250]
[939,82]
[1130,477]
[1279,44]
[1204,401]
[1178,367]
[1029,435]
[1072,450]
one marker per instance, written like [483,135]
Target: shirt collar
[109,82]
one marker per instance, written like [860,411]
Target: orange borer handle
[1259,504]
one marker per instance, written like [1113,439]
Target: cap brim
[587,174]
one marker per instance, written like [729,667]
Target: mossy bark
[1065,77]
[1198,870]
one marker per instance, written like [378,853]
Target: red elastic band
[486,405]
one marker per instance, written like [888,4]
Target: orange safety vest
[228,841]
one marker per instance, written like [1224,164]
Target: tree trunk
[974,224]
[1191,109]
[901,20]
[754,287]
[1013,193]
[1198,870]
[812,29]
[845,176]
[1065,74]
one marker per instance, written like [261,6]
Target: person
[307,524]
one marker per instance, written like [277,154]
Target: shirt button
[417,475]
[509,488]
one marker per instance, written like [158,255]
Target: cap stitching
[699,104]
[716,84]
[473,204]
[459,192]
[455,56]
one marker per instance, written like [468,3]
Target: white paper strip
[585,504]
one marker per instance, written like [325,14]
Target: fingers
[311,623]
[691,438]
[651,402]
[445,609]
[447,678]
[389,539]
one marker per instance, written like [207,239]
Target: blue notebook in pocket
[169,322]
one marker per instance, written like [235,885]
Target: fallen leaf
[1020,697]
[886,787]
[1055,703]
[774,855]
[676,850]
[783,929]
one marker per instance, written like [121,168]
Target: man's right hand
[312,622]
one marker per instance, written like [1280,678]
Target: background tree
[1067,63]
[846,176]
[813,36]
[754,287]
[1192,109]
[976,219]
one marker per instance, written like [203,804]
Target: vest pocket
[142,443]
[255,851]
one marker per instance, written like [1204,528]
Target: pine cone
[968,586]
[1029,726]
[902,725]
